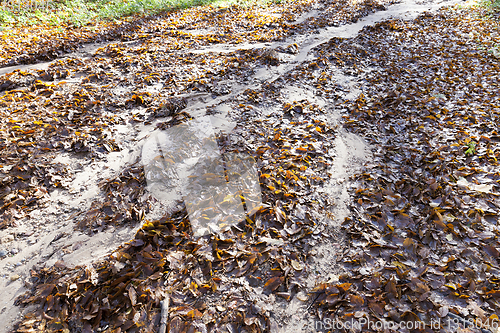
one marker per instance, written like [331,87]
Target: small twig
[312,303]
[164,314]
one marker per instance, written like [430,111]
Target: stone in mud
[3,253]
[170,107]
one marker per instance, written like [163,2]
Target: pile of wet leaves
[191,28]
[126,201]
[228,281]
[47,42]
[224,282]
[44,113]
[40,119]
[23,45]
[424,231]
[24,183]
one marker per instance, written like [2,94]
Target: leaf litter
[226,282]
[424,223]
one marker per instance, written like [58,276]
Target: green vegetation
[471,148]
[492,12]
[82,12]
[493,6]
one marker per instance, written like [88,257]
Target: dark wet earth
[373,128]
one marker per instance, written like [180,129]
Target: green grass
[82,12]
[492,12]
[493,7]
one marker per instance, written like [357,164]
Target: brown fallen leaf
[273,283]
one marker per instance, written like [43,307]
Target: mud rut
[52,228]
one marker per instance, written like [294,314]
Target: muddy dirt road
[85,246]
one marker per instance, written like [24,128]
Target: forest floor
[373,130]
